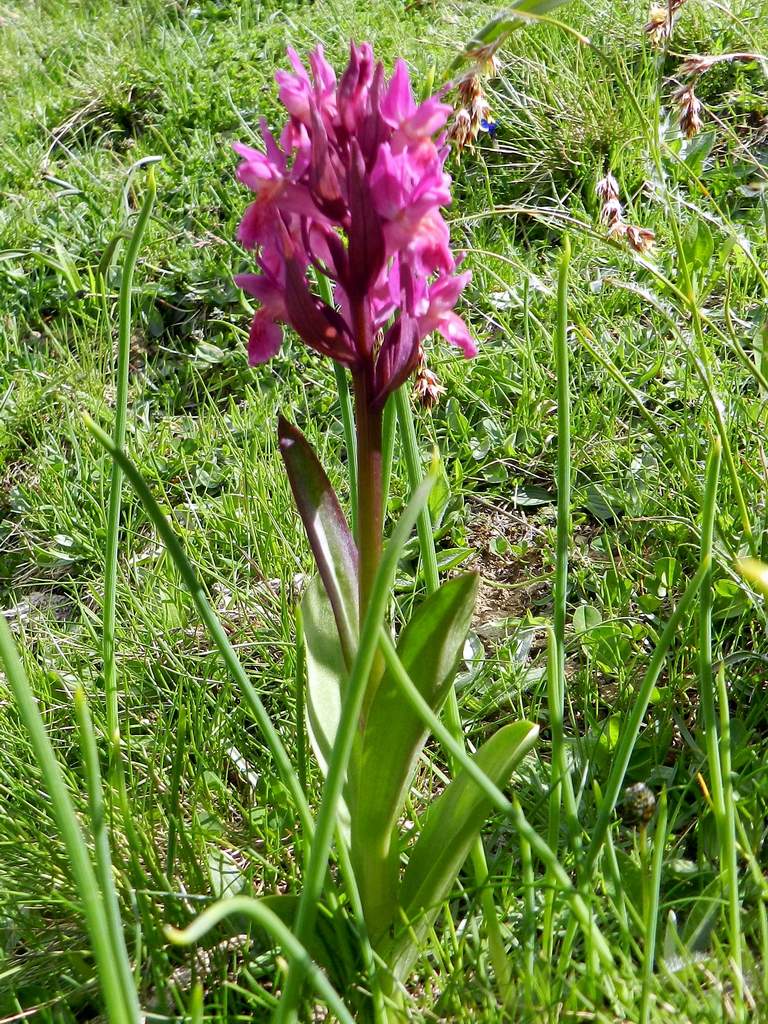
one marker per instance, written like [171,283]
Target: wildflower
[689,111]
[352,191]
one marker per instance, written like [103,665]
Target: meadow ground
[668,351]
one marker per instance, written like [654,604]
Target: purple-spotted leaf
[329,535]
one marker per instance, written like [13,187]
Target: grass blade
[116,481]
[212,623]
[96,919]
[652,910]
[102,854]
[511,809]
[261,915]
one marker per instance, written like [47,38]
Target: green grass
[89,89]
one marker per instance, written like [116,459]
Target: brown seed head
[607,188]
[639,239]
[658,28]
[427,387]
[689,111]
[469,88]
[698,64]
[460,129]
[612,215]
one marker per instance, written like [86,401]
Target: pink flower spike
[354,191]
[454,330]
[398,102]
[264,340]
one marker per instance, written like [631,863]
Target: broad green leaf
[326,674]
[453,823]
[698,150]
[329,536]
[698,245]
[586,617]
[430,649]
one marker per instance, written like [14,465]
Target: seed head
[658,28]
[612,215]
[474,114]
[607,188]
[639,239]
[469,88]
[639,804]
[426,387]
[460,129]
[698,64]
[688,111]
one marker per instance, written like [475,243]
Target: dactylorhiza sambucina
[353,190]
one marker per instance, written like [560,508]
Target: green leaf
[586,617]
[698,150]
[329,536]
[326,675]
[698,245]
[452,824]
[430,649]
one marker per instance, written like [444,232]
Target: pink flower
[353,191]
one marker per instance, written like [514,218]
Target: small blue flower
[489,126]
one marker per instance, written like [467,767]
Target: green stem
[563,535]
[728,843]
[347,730]
[102,854]
[118,1011]
[653,888]
[369,501]
[410,448]
[116,482]
[706,679]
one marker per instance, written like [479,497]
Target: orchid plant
[353,253]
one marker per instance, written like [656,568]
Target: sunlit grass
[91,88]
